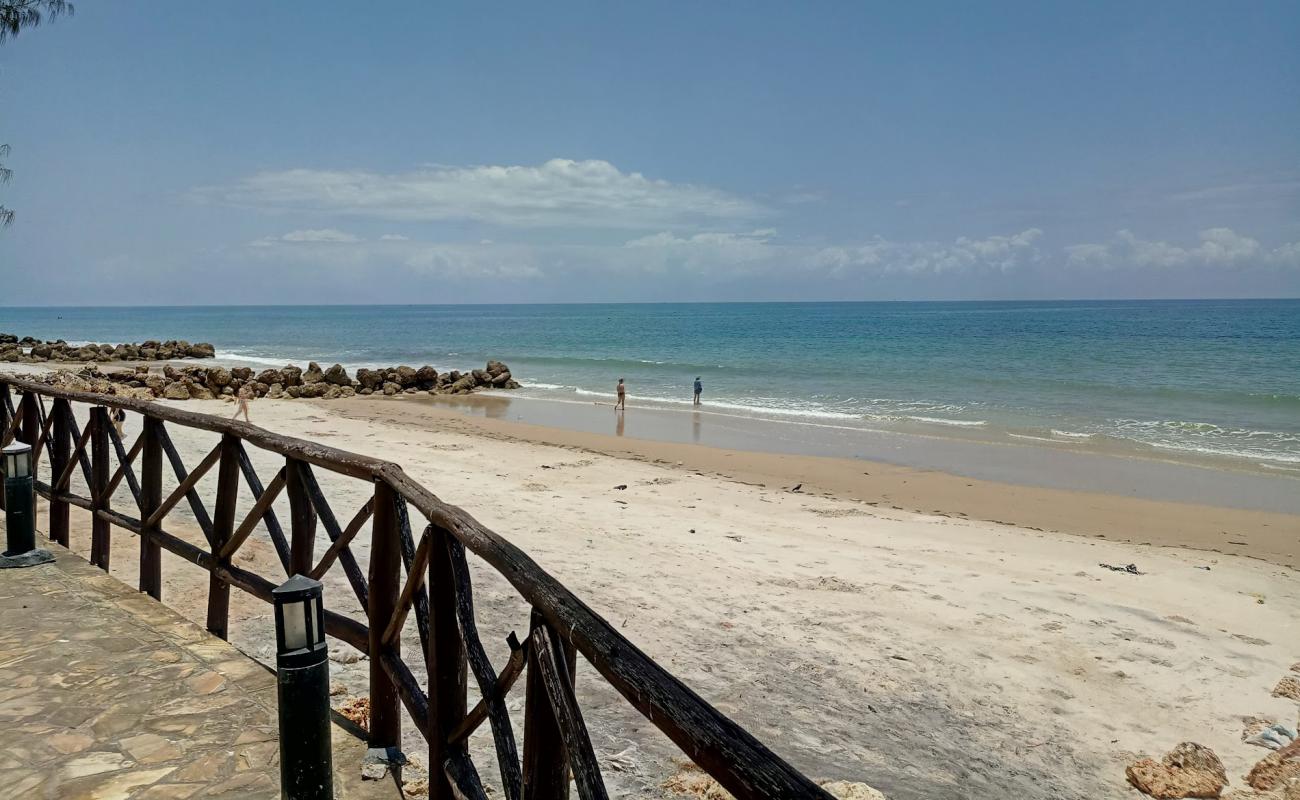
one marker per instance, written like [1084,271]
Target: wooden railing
[436,586]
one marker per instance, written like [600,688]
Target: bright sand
[873,627]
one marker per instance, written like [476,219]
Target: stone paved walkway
[106,694]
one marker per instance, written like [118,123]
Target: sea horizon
[967,300]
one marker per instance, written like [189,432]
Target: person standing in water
[699,388]
[621,403]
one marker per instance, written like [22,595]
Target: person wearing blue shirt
[699,387]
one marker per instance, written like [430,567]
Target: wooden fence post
[223,527]
[100,530]
[60,451]
[150,499]
[546,764]
[31,431]
[5,400]
[302,521]
[447,664]
[385,579]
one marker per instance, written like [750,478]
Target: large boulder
[275,392]
[405,376]
[313,373]
[426,377]
[200,392]
[391,388]
[501,379]
[337,376]
[1189,770]
[42,350]
[1274,770]
[241,373]
[292,375]
[313,389]
[370,378]
[201,350]
[177,390]
[495,368]
[270,376]
[219,377]
[463,386]
[156,384]
[481,377]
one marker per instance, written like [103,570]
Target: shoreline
[1265,535]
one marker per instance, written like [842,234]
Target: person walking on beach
[621,403]
[699,388]
[245,392]
[118,417]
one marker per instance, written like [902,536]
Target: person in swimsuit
[622,396]
[245,392]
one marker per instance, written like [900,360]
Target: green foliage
[15,15]
[6,216]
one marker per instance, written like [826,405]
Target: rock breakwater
[28,350]
[290,381]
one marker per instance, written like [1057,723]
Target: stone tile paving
[106,694]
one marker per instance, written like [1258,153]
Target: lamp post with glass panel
[302,669]
[20,509]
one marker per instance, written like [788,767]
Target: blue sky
[270,152]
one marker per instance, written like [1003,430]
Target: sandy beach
[877,626]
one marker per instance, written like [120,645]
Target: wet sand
[1263,523]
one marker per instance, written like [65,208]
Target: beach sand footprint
[825,583]
[840,512]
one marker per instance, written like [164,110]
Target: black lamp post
[20,510]
[302,667]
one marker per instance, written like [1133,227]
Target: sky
[251,152]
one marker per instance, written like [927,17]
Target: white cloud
[712,254]
[309,235]
[1261,190]
[560,192]
[884,257]
[393,237]
[700,252]
[1217,247]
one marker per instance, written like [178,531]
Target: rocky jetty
[290,381]
[34,351]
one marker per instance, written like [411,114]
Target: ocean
[1215,380]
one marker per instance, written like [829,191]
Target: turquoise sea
[1193,380]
